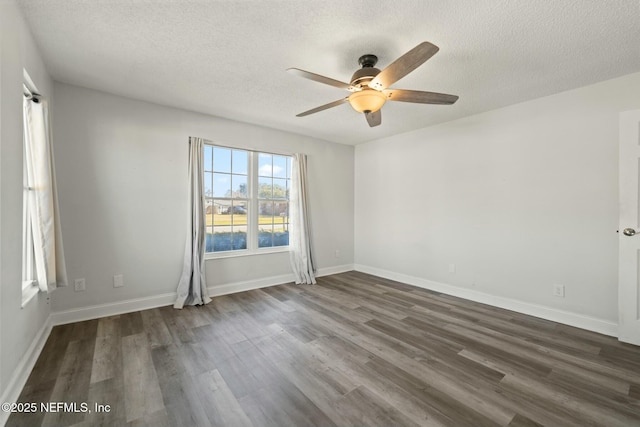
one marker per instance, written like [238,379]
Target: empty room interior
[335,213]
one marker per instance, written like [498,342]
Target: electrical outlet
[118,281]
[79,285]
[337,253]
[452,268]
[558,290]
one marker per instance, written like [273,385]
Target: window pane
[222,239]
[239,185]
[239,215]
[221,159]
[280,237]
[279,188]
[280,224]
[220,208]
[265,236]
[208,184]
[265,190]
[208,157]
[280,212]
[221,185]
[240,161]
[279,166]
[265,162]
[208,241]
[230,225]
[208,208]
[239,240]
[265,213]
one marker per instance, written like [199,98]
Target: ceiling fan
[369,86]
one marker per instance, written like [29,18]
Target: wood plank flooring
[353,350]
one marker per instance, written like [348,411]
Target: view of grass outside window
[246,199]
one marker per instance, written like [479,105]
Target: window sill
[28,293]
[235,254]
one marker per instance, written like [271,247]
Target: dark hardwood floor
[354,350]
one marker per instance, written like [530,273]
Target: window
[246,200]
[29,282]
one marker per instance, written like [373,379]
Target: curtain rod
[246,149]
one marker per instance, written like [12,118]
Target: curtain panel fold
[44,213]
[300,244]
[192,288]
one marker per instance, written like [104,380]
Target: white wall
[519,199]
[18,327]
[122,170]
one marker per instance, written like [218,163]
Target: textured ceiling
[228,58]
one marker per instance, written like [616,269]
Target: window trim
[253,205]
[246,252]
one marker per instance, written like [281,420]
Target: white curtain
[300,231]
[43,198]
[192,289]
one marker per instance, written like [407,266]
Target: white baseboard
[137,304]
[24,368]
[334,270]
[589,323]
[111,309]
[232,288]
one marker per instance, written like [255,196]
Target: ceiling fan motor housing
[368,60]
[363,76]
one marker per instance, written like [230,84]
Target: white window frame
[253,208]
[30,286]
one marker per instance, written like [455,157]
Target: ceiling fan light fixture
[367,100]
[370,88]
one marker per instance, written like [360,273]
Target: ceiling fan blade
[323,107]
[403,65]
[374,119]
[419,97]
[319,78]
